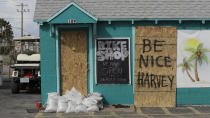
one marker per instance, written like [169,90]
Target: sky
[8,11]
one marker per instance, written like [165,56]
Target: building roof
[26,38]
[111,9]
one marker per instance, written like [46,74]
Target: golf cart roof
[27,38]
[25,57]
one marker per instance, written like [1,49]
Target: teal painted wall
[72,13]
[115,94]
[195,96]
[48,62]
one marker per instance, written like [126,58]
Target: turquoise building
[107,31]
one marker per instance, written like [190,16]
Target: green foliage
[199,53]
[6,35]
[192,50]
[185,65]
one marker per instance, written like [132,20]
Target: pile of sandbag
[74,101]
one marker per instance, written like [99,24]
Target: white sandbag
[89,102]
[74,96]
[81,108]
[62,104]
[93,108]
[52,102]
[71,107]
[52,94]
[94,94]
[96,98]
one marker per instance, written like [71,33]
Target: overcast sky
[8,11]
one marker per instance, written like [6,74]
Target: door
[155,66]
[74,61]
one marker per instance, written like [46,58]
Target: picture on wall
[193,54]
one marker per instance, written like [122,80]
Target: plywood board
[74,61]
[155,66]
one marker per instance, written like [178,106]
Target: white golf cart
[26,70]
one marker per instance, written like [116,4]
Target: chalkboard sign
[112,61]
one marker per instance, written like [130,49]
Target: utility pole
[22,10]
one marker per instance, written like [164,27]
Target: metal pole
[22,10]
[22,20]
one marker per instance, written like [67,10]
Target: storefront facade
[128,60]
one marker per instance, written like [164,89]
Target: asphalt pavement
[23,105]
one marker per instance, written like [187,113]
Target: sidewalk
[178,112]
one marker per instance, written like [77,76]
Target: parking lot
[16,105]
[23,105]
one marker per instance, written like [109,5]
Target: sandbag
[93,108]
[89,102]
[94,94]
[81,108]
[62,104]
[52,102]
[96,98]
[71,107]
[74,96]
[52,94]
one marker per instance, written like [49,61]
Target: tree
[198,54]
[186,66]
[6,35]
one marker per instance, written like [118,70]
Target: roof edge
[142,19]
[66,7]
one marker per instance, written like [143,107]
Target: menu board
[112,61]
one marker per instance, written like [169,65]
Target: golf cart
[26,70]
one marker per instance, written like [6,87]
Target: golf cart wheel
[15,87]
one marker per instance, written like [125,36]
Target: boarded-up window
[155,66]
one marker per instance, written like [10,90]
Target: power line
[21,29]
[22,10]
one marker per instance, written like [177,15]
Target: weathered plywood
[155,66]
[155,99]
[74,61]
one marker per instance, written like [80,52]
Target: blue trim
[141,19]
[90,53]
[90,58]
[203,21]
[94,30]
[133,57]
[74,4]
[153,19]
[57,63]
[132,21]
[52,30]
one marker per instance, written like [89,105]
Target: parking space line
[59,115]
[166,111]
[116,115]
[194,110]
[39,115]
[139,111]
[91,113]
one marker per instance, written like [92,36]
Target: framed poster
[112,61]
[192,73]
